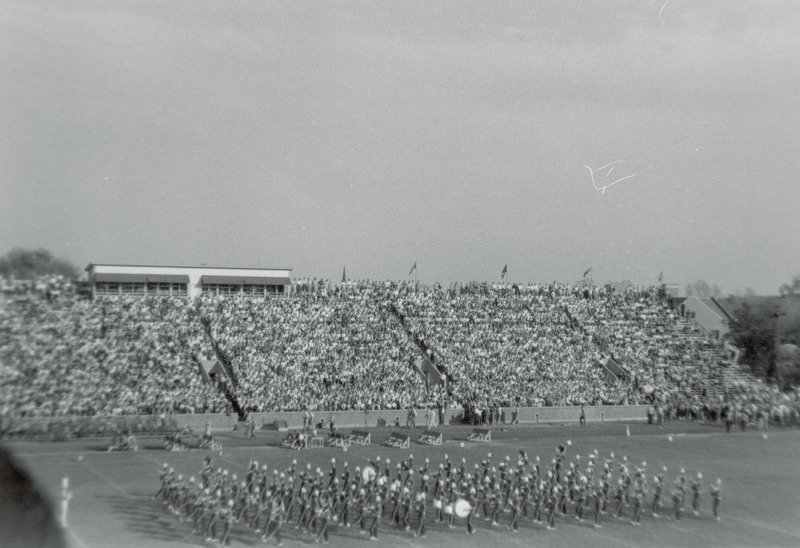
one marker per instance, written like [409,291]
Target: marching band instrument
[463,508]
[368,473]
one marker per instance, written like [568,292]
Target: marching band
[506,491]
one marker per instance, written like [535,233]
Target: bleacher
[67,355]
[345,349]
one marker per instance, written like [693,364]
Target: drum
[437,504]
[368,473]
[448,510]
[463,508]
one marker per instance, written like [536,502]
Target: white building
[157,280]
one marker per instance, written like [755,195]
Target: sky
[376,135]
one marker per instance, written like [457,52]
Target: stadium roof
[90,265]
[245,280]
[122,278]
[711,303]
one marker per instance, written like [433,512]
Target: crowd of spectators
[668,359]
[762,404]
[353,347]
[510,344]
[64,354]
[326,347]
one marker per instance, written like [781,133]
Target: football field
[112,501]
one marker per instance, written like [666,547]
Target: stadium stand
[354,347]
[62,354]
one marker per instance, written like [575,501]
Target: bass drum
[368,474]
[463,508]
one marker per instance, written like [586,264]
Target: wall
[358,419]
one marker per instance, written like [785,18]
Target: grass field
[111,504]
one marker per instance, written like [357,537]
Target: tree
[753,331]
[699,289]
[791,289]
[27,264]
[788,357]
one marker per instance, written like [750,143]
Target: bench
[480,434]
[431,437]
[361,437]
[398,441]
[338,440]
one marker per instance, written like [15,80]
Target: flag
[587,271]
[504,272]
[413,268]
[660,277]
[344,276]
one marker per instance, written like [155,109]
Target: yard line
[60,454]
[230,462]
[507,538]
[76,538]
[688,532]
[612,539]
[762,526]
[103,477]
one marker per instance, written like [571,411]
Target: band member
[323,515]
[377,512]
[514,503]
[716,497]
[552,503]
[658,488]
[422,509]
[406,503]
[212,515]
[619,498]
[273,527]
[599,501]
[638,500]
[347,506]
[472,499]
[227,518]
[197,514]
[451,503]
[696,490]
[676,503]
[363,509]
[580,497]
